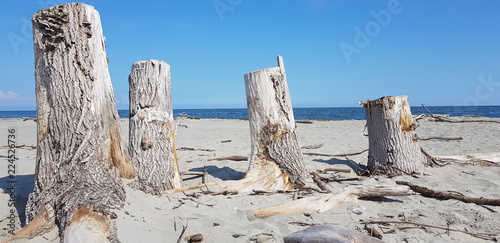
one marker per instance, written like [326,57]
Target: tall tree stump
[80,154]
[393,147]
[151,132]
[276,158]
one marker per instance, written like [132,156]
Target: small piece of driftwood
[333,169]
[336,155]
[479,235]
[233,158]
[318,180]
[195,149]
[424,191]
[225,141]
[29,119]
[303,121]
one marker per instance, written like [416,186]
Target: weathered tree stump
[80,154]
[151,133]
[393,147]
[276,161]
[276,158]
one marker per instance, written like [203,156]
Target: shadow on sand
[225,173]
[20,186]
[352,164]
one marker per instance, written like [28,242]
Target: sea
[327,113]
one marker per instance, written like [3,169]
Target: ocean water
[331,113]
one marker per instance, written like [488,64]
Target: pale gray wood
[151,128]
[275,150]
[80,152]
[393,147]
[325,202]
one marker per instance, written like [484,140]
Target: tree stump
[151,133]
[393,147]
[80,154]
[276,158]
[276,161]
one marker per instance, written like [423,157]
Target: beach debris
[424,191]
[356,209]
[318,180]
[485,236]
[184,228]
[81,151]
[446,118]
[372,231]
[302,223]
[329,233]
[439,138]
[333,169]
[233,158]
[336,155]
[483,159]
[393,148]
[197,238]
[225,141]
[325,202]
[194,149]
[304,121]
[313,146]
[29,119]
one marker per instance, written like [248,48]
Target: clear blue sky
[336,52]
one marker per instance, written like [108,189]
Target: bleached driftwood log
[393,147]
[80,154]
[276,161]
[327,201]
[151,128]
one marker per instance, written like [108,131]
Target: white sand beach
[228,218]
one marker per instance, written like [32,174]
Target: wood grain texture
[80,152]
[275,150]
[151,132]
[393,147]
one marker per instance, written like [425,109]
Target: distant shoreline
[331,113]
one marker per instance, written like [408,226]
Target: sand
[147,218]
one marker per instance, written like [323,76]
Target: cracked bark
[276,158]
[151,132]
[393,147]
[80,152]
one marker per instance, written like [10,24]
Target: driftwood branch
[445,195]
[195,149]
[480,235]
[333,169]
[29,119]
[319,182]
[233,158]
[441,118]
[441,138]
[336,155]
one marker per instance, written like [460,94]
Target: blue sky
[336,52]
